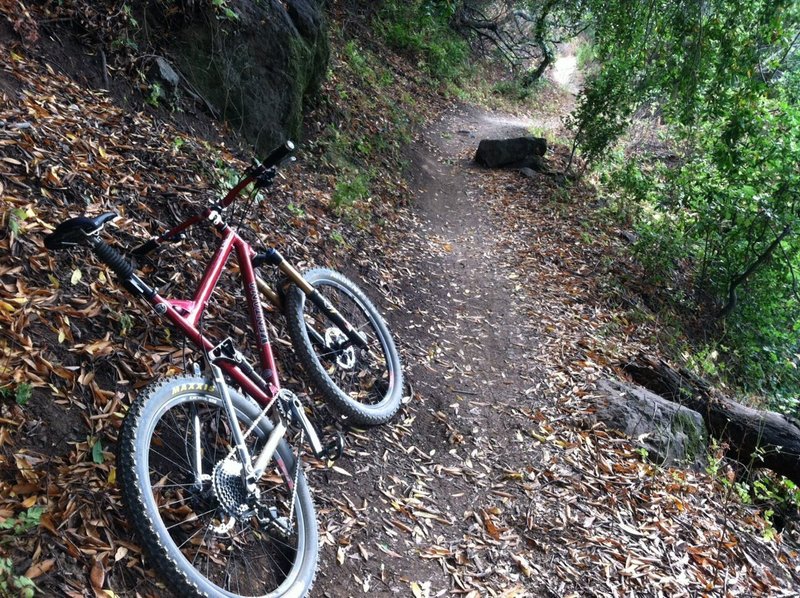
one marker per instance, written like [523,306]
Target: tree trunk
[756,438]
[742,278]
[533,75]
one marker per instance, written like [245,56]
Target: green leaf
[23,393]
[97,452]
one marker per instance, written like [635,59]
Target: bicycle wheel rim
[371,380]
[195,539]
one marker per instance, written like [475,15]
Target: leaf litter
[526,495]
[489,483]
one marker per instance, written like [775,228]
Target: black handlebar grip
[113,259]
[278,154]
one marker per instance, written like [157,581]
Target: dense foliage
[422,28]
[715,198]
[714,191]
[521,34]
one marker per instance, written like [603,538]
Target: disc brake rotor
[346,358]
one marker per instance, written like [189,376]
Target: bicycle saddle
[75,230]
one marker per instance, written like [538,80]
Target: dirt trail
[432,496]
[489,481]
[565,71]
[494,480]
[468,291]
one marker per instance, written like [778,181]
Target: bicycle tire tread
[157,552]
[357,413]
[177,579]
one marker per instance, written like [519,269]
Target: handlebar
[278,155]
[83,230]
[262,175]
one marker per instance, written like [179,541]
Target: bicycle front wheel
[364,384]
[202,530]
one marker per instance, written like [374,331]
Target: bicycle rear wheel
[201,529]
[364,384]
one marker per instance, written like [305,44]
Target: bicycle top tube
[261,175]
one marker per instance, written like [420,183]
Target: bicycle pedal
[335,448]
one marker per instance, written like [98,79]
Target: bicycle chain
[297,457]
[250,429]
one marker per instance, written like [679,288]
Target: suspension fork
[274,258]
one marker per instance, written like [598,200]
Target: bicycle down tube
[186,315]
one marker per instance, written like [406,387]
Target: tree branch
[739,280]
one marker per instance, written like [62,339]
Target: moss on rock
[259,69]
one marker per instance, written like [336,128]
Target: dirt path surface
[565,73]
[468,348]
[507,296]
[496,480]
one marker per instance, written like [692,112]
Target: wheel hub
[346,358]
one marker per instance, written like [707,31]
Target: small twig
[105,70]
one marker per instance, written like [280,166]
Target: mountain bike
[214,490]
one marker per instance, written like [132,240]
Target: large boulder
[670,433]
[256,67]
[515,152]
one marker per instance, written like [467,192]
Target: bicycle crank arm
[331,451]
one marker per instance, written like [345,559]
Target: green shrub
[422,29]
[513,90]
[350,190]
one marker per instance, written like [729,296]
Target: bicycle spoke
[238,555]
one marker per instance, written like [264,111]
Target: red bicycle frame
[186,314]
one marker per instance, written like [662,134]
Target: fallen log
[756,438]
[670,433]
